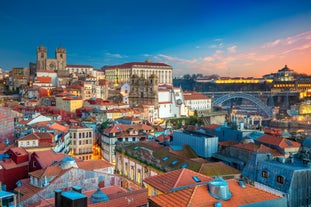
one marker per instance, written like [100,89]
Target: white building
[119,74]
[46,73]
[171,102]
[196,101]
[80,69]
[82,139]
[164,102]
[125,91]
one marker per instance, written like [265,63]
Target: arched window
[264,174]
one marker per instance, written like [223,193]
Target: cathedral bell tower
[60,55]
[41,58]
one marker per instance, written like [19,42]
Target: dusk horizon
[233,39]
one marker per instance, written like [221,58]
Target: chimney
[291,158]
[58,200]
[218,204]
[77,189]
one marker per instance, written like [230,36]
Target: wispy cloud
[227,60]
[175,60]
[272,44]
[305,36]
[232,49]
[114,55]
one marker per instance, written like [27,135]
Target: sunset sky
[225,37]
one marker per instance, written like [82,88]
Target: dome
[68,162]
[219,189]
[99,196]
[286,134]
[179,101]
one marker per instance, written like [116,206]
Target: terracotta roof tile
[278,141]
[19,151]
[37,135]
[135,64]
[199,196]
[92,165]
[175,179]
[117,195]
[44,79]
[79,66]
[252,147]
[47,157]
[193,95]
[50,171]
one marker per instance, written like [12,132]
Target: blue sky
[225,37]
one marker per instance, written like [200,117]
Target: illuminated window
[280,179]
[264,174]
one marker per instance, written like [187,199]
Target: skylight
[174,162]
[288,142]
[165,158]
[196,179]
[184,165]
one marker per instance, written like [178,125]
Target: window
[280,179]
[34,164]
[264,174]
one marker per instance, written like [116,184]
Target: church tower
[60,55]
[41,58]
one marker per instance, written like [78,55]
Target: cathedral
[47,64]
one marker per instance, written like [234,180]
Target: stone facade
[143,91]
[56,64]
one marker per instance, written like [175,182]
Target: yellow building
[68,103]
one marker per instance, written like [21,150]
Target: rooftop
[199,196]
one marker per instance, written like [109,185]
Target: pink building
[6,124]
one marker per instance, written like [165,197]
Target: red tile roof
[175,179]
[38,136]
[79,66]
[26,189]
[10,164]
[193,95]
[199,196]
[44,79]
[47,157]
[130,199]
[116,128]
[135,64]
[19,151]
[50,171]
[92,165]
[117,195]
[278,141]
[256,148]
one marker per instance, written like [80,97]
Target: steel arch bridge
[267,110]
